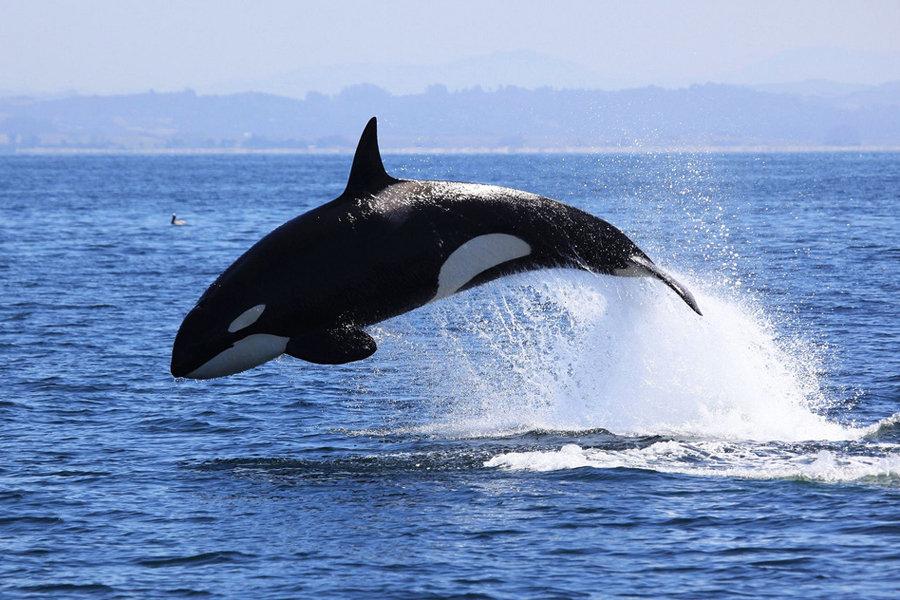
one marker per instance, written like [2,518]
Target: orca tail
[644,264]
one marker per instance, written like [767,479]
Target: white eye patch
[246,318]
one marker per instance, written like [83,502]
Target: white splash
[568,352]
[572,351]
[717,459]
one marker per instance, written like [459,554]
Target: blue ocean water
[554,434]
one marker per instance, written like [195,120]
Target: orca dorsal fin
[367,175]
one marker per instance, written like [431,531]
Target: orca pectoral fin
[332,346]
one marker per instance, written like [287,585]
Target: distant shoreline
[463,151]
[707,118]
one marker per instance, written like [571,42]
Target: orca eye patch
[246,318]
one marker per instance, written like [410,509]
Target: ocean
[554,434]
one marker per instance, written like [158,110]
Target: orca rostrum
[384,247]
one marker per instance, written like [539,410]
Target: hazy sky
[115,46]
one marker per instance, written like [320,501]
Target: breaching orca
[382,248]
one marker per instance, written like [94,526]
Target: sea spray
[565,350]
[572,353]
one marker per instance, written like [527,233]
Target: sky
[100,46]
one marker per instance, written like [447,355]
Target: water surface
[554,434]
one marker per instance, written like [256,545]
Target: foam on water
[573,351]
[711,458]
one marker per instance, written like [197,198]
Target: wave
[887,429]
[721,459]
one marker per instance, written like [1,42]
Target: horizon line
[475,150]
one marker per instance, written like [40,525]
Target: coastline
[475,150]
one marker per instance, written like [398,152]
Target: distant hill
[819,63]
[524,68]
[510,117]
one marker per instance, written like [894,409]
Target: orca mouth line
[183,367]
[187,358]
[246,353]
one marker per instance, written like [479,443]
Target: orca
[384,247]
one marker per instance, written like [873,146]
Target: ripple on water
[69,588]
[548,436]
[196,560]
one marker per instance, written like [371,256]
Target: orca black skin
[382,248]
